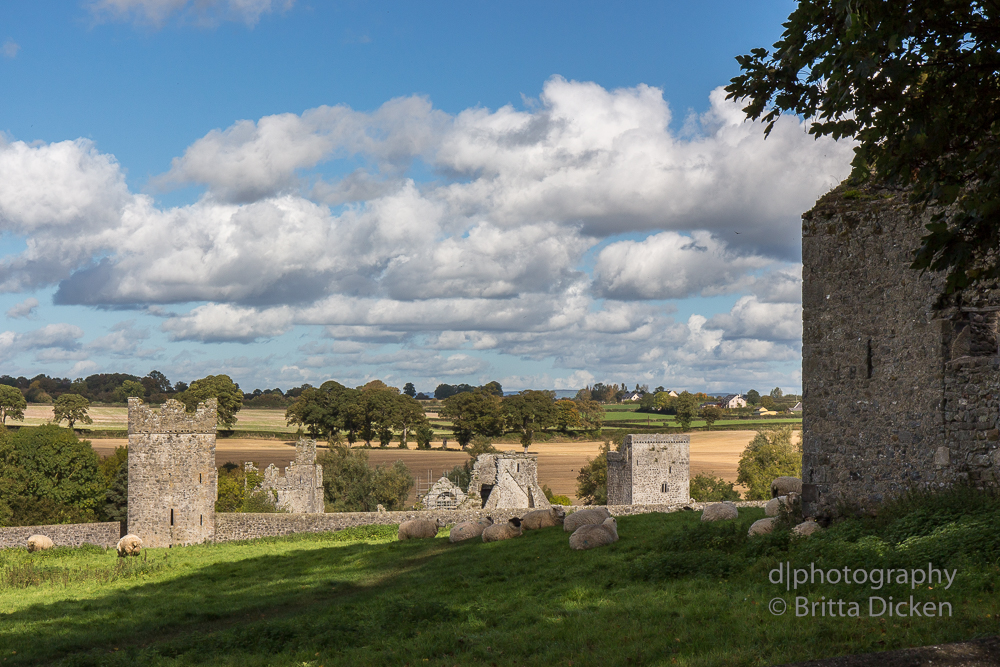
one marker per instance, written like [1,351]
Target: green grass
[671,591]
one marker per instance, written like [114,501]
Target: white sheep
[762,526]
[130,545]
[590,536]
[807,527]
[773,506]
[469,529]
[720,512]
[543,518]
[419,529]
[503,531]
[782,486]
[592,516]
[39,543]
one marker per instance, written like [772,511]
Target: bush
[709,488]
[480,445]
[553,498]
[770,454]
[239,491]
[351,485]
[592,482]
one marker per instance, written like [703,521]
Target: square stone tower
[650,469]
[172,478]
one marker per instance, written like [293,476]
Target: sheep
[807,528]
[419,528]
[592,516]
[720,512]
[130,545]
[590,536]
[762,526]
[503,531]
[543,518]
[39,543]
[469,529]
[782,486]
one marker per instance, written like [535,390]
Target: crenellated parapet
[172,417]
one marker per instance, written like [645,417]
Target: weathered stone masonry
[64,535]
[650,469]
[172,479]
[900,386]
[300,489]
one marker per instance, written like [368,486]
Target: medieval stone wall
[172,478]
[900,386]
[300,489]
[508,480]
[64,535]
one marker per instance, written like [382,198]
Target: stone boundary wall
[104,534]
[245,526]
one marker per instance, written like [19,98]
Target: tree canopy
[12,404]
[473,413]
[220,387]
[73,408]
[917,84]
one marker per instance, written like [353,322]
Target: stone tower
[300,489]
[901,385]
[172,478]
[650,470]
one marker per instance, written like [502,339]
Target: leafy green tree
[767,402]
[12,404]
[324,411]
[665,403]
[351,485]
[473,413]
[480,445]
[493,388]
[220,387]
[72,408]
[424,435]
[129,389]
[710,414]
[554,499]
[158,383]
[770,454]
[915,84]
[776,393]
[753,397]
[567,415]
[708,488]
[591,415]
[116,497]
[408,414]
[409,389]
[687,409]
[56,469]
[592,480]
[530,411]
[239,490]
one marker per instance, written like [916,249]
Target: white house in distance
[732,401]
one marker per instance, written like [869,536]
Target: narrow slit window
[869,361]
[199,478]
[171,517]
[664,488]
[201,519]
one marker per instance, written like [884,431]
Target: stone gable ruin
[300,489]
[507,480]
[901,387]
[444,494]
[172,479]
[650,470]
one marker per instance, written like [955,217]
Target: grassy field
[671,591]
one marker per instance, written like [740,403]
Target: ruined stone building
[650,470]
[900,385]
[444,494]
[300,489]
[507,480]
[172,479]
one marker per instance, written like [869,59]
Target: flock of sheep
[589,528]
[130,545]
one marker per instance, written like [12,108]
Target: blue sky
[546,194]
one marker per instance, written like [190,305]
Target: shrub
[239,491]
[460,476]
[592,482]
[351,485]
[553,498]
[709,488]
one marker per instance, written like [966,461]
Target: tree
[323,410]
[915,84]
[473,413]
[493,388]
[529,411]
[351,485]
[220,387]
[159,384]
[443,391]
[129,389]
[424,435]
[753,397]
[567,415]
[707,488]
[767,402]
[592,481]
[12,404]
[591,415]
[73,408]
[776,393]
[710,414]
[408,413]
[409,389]
[687,409]
[240,491]
[57,473]
[770,454]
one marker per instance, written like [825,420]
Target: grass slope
[671,591]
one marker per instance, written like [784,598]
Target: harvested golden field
[559,463]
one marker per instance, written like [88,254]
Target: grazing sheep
[130,545]
[720,512]
[503,531]
[807,528]
[590,536]
[39,543]
[469,529]
[543,518]
[782,486]
[419,529]
[593,516]
[762,526]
